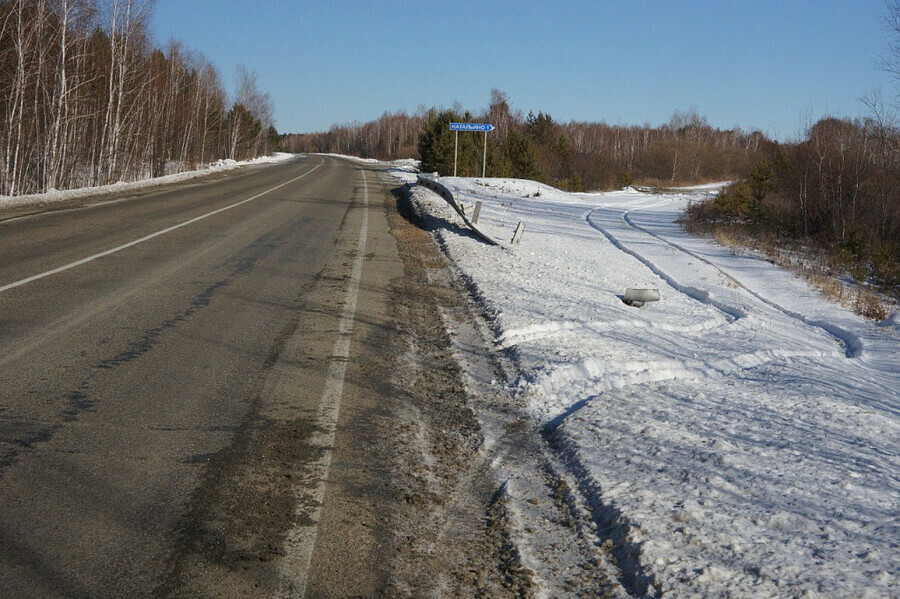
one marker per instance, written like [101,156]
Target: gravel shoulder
[552,541]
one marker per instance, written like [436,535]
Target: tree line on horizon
[86,99]
[573,156]
[836,190]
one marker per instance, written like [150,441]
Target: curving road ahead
[173,369]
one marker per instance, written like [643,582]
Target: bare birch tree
[86,101]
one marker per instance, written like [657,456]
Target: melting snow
[743,430]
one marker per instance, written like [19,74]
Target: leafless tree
[85,99]
[890,62]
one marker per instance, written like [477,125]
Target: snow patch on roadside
[54,196]
[741,431]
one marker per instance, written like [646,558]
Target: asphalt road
[174,367]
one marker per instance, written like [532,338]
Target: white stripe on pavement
[301,539]
[146,237]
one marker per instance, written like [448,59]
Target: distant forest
[85,99]
[574,156]
[838,189]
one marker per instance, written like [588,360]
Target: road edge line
[300,540]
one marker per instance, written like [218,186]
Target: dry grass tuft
[871,305]
[820,269]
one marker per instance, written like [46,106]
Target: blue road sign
[471,127]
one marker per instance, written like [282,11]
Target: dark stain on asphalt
[23,436]
[234,519]
[150,337]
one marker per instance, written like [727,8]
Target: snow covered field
[744,429]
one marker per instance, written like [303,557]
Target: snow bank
[740,435]
[403,169]
[54,196]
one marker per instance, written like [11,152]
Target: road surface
[173,368]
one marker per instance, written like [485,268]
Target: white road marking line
[301,539]
[125,246]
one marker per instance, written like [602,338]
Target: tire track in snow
[732,313]
[851,343]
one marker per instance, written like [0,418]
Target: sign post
[476,127]
[455,149]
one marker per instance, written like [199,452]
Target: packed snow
[740,436]
[55,196]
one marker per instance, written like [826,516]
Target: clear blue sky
[764,64]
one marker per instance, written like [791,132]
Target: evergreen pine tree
[436,143]
[518,158]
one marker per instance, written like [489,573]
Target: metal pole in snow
[455,152]
[484,159]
